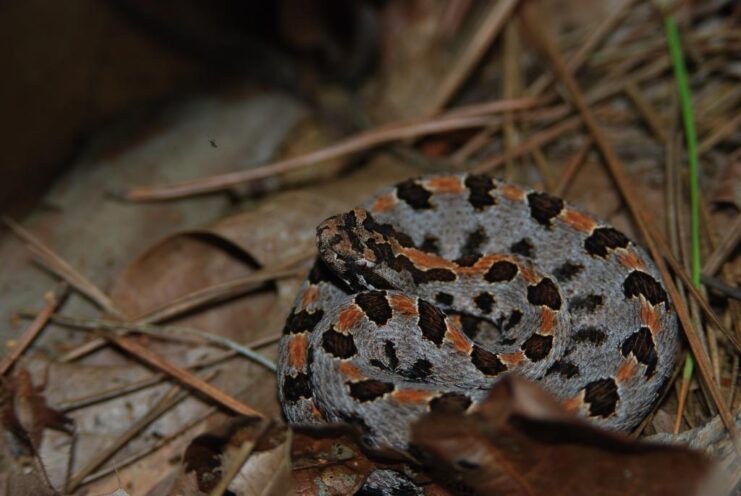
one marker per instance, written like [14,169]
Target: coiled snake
[424,296]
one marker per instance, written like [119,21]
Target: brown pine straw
[724,249]
[59,266]
[542,138]
[573,167]
[53,298]
[540,85]
[166,402]
[499,12]
[461,119]
[649,232]
[78,281]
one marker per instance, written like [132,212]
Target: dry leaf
[521,442]
[25,413]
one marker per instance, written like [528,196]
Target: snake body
[423,297]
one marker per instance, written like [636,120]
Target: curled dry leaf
[25,413]
[265,471]
[520,441]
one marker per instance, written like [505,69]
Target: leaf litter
[230,264]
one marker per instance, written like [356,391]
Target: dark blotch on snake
[471,250]
[479,187]
[602,397]
[431,322]
[524,248]
[641,344]
[295,388]
[563,368]
[544,207]
[444,298]
[338,345]
[388,231]
[369,390]
[640,283]
[414,195]
[486,361]
[501,271]
[430,245]
[302,321]
[421,369]
[485,302]
[603,239]
[567,271]
[470,325]
[586,304]
[450,403]
[544,293]
[592,335]
[537,347]
[375,306]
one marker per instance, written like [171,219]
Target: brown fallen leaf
[521,442]
[254,457]
[25,414]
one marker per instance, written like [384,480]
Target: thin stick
[587,48]
[73,277]
[573,167]
[171,398]
[162,332]
[239,458]
[639,212]
[151,381]
[53,299]
[537,88]
[134,386]
[676,265]
[354,144]
[198,298]
[64,269]
[495,18]
[212,294]
[718,134]
[647,111]
[714,262]
[149,449]
[542,138]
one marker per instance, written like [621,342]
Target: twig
[714,262]
[238,459]
[649,114]
[214,294]
[573,166]
[53,299]
[78,281]
[63,269]
[721,287]
[190,301]
[149,449]
[162,332]
[540,139]
[497,15]
[171,398]
[715,136]
[587,48]
[354,144]
[640,214]
[537,88]
[694,291]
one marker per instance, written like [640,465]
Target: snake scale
[422,298]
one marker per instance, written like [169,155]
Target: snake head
[351,244]
[342,241]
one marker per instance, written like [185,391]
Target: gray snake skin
[424,296]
